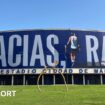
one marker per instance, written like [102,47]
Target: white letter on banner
[11,50]
[37,46]
[55,53]
[25,50]
[2,52]
[91,50]
[103,52]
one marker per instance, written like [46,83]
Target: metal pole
[42,79]
[53,79]
[101,78]
[24,79]
[12,80]
[83,79]
[72,77]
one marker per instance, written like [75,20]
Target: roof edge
[74,29]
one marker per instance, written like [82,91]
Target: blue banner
[52,48]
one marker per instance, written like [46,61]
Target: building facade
[25,54]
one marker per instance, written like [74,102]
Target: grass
[55,95]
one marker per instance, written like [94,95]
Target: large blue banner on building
[39,48]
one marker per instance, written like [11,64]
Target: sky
[52,14]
